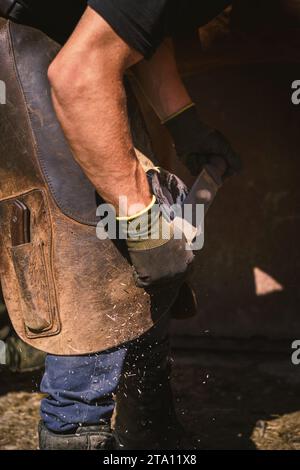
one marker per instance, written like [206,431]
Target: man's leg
[145,413]
[77,411]
[79,405]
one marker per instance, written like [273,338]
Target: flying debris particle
[113,319]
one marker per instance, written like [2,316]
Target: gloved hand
[159,251]
[198,145]
[214,149]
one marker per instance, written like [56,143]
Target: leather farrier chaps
[66,291]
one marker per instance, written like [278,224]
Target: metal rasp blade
[199,200]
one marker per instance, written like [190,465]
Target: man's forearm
[160,82]
[90,102]
[196,144]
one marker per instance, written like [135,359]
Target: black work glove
[197,144]
[158,257]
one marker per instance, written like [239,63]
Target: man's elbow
[54,76]
[66,80]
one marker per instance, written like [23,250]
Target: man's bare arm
[89,98]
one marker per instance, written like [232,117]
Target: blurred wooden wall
[239,71]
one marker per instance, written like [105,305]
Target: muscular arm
[89,98]
[196,143]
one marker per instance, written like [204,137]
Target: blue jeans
[80,388]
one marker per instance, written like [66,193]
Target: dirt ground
[225,400]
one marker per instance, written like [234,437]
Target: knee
[60,78]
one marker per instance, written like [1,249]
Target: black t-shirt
[56,18]
[143,24]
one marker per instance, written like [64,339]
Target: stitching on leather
[40,160]
[52,241]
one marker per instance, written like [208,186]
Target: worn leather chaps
[66,291]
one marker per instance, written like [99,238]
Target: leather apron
[66,291]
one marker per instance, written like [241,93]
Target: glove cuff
[178,113]
[187,130]
[138,214]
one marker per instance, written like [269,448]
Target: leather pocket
[35,286]
[27,264]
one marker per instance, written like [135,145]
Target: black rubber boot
[84,438]
[145,413]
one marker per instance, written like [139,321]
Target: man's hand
[198,145]
[213,149]
[158,256]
